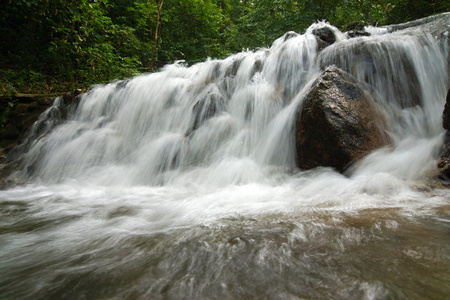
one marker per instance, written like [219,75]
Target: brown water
[52,247]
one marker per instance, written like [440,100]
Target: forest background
[52,46]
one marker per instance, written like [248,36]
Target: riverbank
[20,111]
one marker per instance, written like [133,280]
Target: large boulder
[337,124]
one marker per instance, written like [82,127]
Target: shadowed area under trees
[53,46]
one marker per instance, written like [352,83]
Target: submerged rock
[204,109]
[338,123]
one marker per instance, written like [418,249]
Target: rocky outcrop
[356,29]
[24,120]
[437,26]
[337,124]
[446,113]
[324,37]
[433,21]
[205,109]
[20,112]
[444,161]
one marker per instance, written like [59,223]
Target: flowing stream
[182,184]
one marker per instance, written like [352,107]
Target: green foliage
[408,10]
[70,40]
[51,45]
[146,18]
[367,12]
[11,80]
[263,21]
[192,31]
[6,107]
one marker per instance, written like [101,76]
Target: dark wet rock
[446,114]
[233,69]
[370,62]
[444,160]
[354,26]
[121,84]
[205,109]
[26,121]
[356,29]
[289,35]
[24,110]
[214,73]
[324,36]
[337,124]
[357,33]
[70,103]
[7,169]
[257,67]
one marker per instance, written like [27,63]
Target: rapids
[182,184]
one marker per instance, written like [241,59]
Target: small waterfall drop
[231,121]
[217,118]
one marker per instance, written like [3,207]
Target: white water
[154,185]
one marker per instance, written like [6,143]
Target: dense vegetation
[57,45]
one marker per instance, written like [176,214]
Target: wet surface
[50,250]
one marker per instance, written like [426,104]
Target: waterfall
[213,122]
[230,121]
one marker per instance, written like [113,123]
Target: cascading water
[183,184]
[207,124]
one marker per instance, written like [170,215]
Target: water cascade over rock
[240,112]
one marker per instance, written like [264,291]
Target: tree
[191,32]
[74,40]
[408,10]
[157,35]
[266,20]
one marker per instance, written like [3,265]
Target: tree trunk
[158,20]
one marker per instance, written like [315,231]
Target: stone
[26,110]
[446,113]
[338,123]
[205,109]
[357,33]
[324,37]
[444,160]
